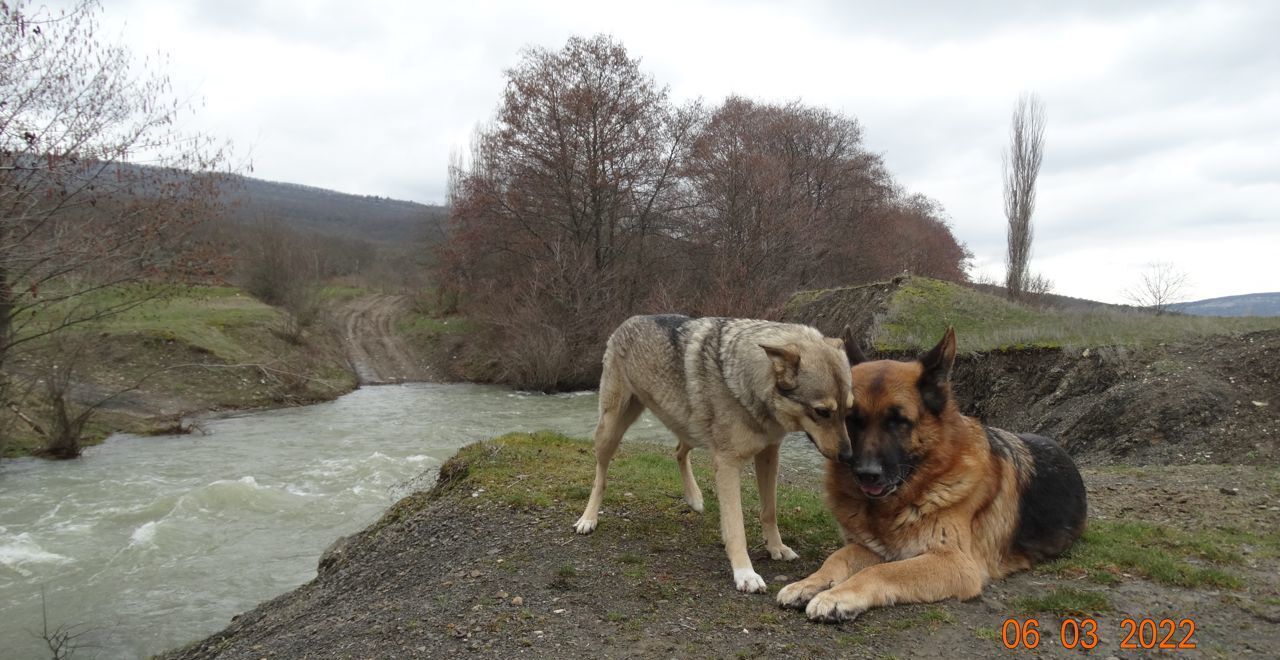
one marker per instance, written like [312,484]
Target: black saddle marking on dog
[1053,507]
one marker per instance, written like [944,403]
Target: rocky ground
[480,567]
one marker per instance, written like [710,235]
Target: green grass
[1064,601]
[414,324]
[922,308]
[177,342]
[986,633]
[206,317]
[1161,554]
[527,470]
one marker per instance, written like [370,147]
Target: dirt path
[376,352]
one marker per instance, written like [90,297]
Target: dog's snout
[868,472]
[846,454]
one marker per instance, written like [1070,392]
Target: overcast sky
[1163,139]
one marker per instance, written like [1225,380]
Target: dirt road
[376,352]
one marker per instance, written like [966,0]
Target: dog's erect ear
[851,348]
[786,364]
[935,381]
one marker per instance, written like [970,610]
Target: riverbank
[486,563]
[203,349]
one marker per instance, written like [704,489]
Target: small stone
[629,495]
[1229,491]
[475,574]
[517,601]
[503,594]
[559,611]
[781,578]
[447,583]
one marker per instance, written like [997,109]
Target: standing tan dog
[735,387]
[932,504]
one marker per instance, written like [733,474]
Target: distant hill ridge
[364,217]
[1249,304]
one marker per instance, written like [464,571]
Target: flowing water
[145,544]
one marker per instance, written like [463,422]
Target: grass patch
[922,308]
[549,468]
[177,345]
[1161,554]
[986,633]
[1064,601]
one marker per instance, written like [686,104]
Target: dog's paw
[783,553]
[798,594]
[748,581]
[584,526]
[828,607]
[694,503]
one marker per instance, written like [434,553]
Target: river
[147,543]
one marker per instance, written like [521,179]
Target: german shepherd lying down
[933,505]
[734,387]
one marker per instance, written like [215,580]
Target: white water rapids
[148,543]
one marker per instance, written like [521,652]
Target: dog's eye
[824,413]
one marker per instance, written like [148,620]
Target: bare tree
[1021,167]
[97,186]
[591,197]
[576,173]
[99,192]
[1161,285]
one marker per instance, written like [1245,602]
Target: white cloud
[1164,119]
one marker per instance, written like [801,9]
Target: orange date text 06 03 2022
[1167,634]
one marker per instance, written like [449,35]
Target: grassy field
[192,348]
[920,311]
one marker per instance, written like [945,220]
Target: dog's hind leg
[617,413]
[767,481]
[692,494]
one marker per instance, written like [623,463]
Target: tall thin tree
[1021,168]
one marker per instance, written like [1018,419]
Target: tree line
[591,196]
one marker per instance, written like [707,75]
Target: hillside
[201,349]
[1250,304]
[375,219]
[1149,389]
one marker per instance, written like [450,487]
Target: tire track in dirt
[376,352]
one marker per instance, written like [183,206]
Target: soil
[375,350]
[1209,400]
[452,574]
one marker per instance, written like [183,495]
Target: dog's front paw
[831,607]
[798,594]
[585,525]
[782,552]
[748,581]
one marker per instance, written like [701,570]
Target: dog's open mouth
[877,490]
